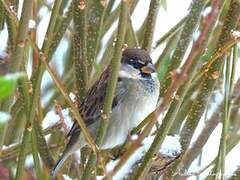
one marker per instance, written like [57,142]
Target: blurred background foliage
[198,69]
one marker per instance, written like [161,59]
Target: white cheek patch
[124,74]
[128,71]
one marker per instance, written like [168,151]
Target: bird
[135,97]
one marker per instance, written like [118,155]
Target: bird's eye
[136,63]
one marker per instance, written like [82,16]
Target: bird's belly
[125,117]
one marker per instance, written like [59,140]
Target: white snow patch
[31,24]
[9,146]
[232,163]
[4,117]
[3,54]
[3,40]
[207,11]
[235,34]
[52,118]
[194,95]
[72,96]
[66,177]
[29,161]
[170,147]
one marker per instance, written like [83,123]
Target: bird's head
[136,62]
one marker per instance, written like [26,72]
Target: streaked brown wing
[92,105]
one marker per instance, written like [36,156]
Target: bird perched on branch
[135,98]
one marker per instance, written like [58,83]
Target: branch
[151,22]
[112,82]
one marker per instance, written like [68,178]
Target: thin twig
[71,104]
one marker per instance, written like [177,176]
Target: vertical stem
[112,82]
[132,31]
[42,145]
[17,58]
[27,131]
[208,81]
[151,22]
[96,11]
[36,79]
[192,59]
[185,37]
[79,46]
[18,54]
[37,165]
[2,16]
[226,114]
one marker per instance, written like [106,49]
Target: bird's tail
[66,153]
[72,146]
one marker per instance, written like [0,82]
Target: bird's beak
[148,69]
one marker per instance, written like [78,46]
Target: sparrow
[136,96]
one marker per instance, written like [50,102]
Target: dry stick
[178,80]
[112,82]
[58,110]
[71,104]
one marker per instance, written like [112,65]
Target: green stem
[80,46]
[18,54]
[109,9]
[207,84]
[191,64]
[27,132]
[75,111]
[36,79]
[222,148]
[112,82]
[173,31]
[151,22]
[37,165]
[2,16]
[96,12]
[17,58]
[185,38]
[42,145]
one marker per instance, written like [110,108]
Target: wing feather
[92,105]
